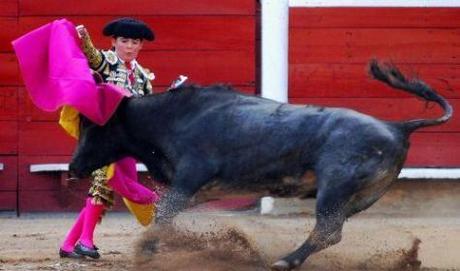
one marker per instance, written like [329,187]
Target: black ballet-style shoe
[87,251]
[71,255]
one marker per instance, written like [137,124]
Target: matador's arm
[94,56]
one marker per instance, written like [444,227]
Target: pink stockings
[83,228]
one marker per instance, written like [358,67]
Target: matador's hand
[81,30]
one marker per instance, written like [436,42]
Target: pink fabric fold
[124,182]
[56,73]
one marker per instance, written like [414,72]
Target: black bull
[191,136]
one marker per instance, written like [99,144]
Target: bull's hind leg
[330,217]
[338,198]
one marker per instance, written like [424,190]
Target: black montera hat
[128,28]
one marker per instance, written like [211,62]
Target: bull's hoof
[281,265]
[150,247]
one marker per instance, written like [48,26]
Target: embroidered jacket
[114,70]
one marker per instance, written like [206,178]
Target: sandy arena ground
[410,235]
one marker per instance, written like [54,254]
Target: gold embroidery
[92,54]
[100,190]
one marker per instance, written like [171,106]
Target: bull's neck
[151,114]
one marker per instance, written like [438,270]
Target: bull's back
[242,121]
[252,137]
[245,136]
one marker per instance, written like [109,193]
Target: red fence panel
[8,137]
[8,7]
[391,109]
[136,7]
[8,103]
[329,51]
[8,183]
[9,26]
[44,138]
[9,70]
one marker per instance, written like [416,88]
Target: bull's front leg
[190,176]
[172,203]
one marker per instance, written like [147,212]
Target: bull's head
[98,146]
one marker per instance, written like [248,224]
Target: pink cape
[56,73]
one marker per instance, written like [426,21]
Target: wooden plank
[352,80]
[51,200]
[203,32]
[347,17]
[8,103]
[434,150]
[350,45]
[44,138]
[64,200]
[202,67]
[29,112]
[9,71]
[8,200]
[11,25]
[8,176]
[8,8]
[8,137]
[390,109]
[172,32]
[136,7]
[45,180]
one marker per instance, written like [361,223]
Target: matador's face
[126,48]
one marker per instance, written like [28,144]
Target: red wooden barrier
[8,183]
[44,138]
[136,7]
[9,73]
[9,26]
[171,32]
[434,149]
[358,45]
[8,103]
[8,8]
[374,17]
[8,176]
[8,137]
[352,80]
[330,47]
[391,109]
[8,200]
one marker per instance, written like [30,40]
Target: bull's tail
[390,75]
